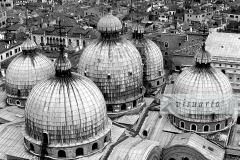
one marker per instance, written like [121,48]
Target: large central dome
[66,115]
[115,65]
[202,97]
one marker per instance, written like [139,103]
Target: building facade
[3,18]
[6,4]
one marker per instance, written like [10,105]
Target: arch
[79,152]
[145,133]
[105,139]
[31,147]
[226,122]
[193,127]
[123,107]
[238,120]
[18,103]
[61,154]
[109,108]
[182,124]
[185,158]
[217,127]
[134,103]
[94,146]
[45,138]
[206,128]
[158,83]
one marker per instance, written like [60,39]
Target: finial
[109,9]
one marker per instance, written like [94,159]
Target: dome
[26,70]
[203,95]
[153,69]
[67,114]
[109,23]
[115,66]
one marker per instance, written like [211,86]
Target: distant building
[195,15]
[6,4]
[168,43]
[232,14]
[3,18]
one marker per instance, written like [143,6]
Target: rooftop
[233,147]
[4,43]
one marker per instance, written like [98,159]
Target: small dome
[202,56]
[109,23]
[26,70]
[63,63]
[28,45]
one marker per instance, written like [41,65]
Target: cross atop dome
[202,56]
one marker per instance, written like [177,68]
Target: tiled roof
[12,113]
[233,141]
[14,27]
[188,48]
[235,10]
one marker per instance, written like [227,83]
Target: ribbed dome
[71,110]
[109,23]
[26,70]
[201,91]
[116,68]
[29,45]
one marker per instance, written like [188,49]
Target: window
[196,16]
[18,49]
[77,42]
[220,64]
[174,119]
[182,124]
[10,53]
[41,39]
[217,127]
[94,146]
[79,152]
[160,73]
[18,103]
[165,53]
[31,147]
[105,139]
[172,159]
[1,57]
[232,16]
[158,83]
[230,77]
[165,62]
[236,16]
[45,138]
[61,154]
[145,133]
[193,127]
[123,107]
[166,44]
[238,120]
[226,123]
[223,71]
[109,108]
[185,158]
[7,54]
[231,65]
[179,44]
[206,128]
[134,103]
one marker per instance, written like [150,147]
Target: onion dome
[153,70]
[109,23]
[66,116]
[115,65]
[26,70]
[202,97]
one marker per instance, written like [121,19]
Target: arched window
[105,139]
[217,126]
[193,127]
[145,133]
[109,108]
[123,107]
[226,123]
[157,82]
[45,138]
[185,158]
[206,128]
[95,146]
[182,124]
[42,40]
[69,42]
[79,152]
[34,38]
[19,93]
[238,120]
[61,154]
[134,103]
[47,40]
[31,147]
[77,42]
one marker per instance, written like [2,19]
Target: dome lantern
[28,45]
[137,30]
[109,26]
[203,57]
